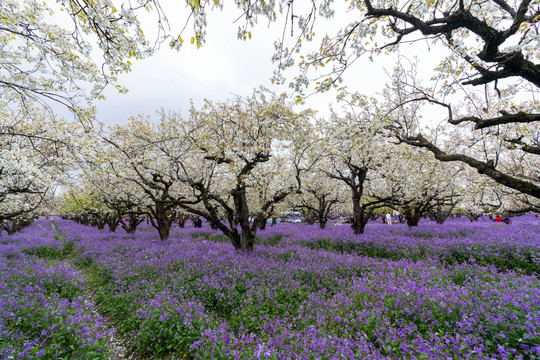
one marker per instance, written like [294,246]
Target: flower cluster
[195,296]
[44,313]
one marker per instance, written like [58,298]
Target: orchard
[402,224]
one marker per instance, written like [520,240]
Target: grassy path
[116,348]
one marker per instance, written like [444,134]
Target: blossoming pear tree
[502,151]
[321,198]
[353,147]
[23,185]
[34,158]
[241,158]
[486,80]
[415,183]
[47,49]
[136,156]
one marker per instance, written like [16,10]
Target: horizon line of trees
[248,157]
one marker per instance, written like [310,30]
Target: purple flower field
[455,291]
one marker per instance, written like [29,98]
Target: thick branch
[510,64]
[485,168]
[524,146]
[506,118]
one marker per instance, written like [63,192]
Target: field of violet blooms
[455,291]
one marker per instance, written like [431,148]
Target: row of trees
[240,162]
[33,156]
[486,83]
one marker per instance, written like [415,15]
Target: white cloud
[221,68]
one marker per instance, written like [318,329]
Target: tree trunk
[162,222]
[164,229]
[356,184]
[181,220]
[247,239]
[413,216]
[235,239]
[100,224]
[132,223]
[324,210]
[413,221]
[113,222]
[474,217]
[357,225]
[12,226]
[247,236]
[84,220]
[439,216]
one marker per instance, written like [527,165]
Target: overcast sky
[219,70]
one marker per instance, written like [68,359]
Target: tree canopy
[238,160]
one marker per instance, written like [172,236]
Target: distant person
[389,219]
[498,218]
[199,222]
[507,220]
[395,215]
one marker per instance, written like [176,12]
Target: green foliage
[268,240]
[53,252]
[161,337]
[44,252]
[506,257]
[44,305]
[221,238]
[33,321]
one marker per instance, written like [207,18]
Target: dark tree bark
[262,225]
[181,220]
[474,216]
[442,210]
[14,225]
[161,212]
[121,209]
[98,221]
[133,221]
[354,179]
[486,168]
[505,64]
[163,218]
[499,64]
[112,222]
[84,220]
[239,213]
[414,213]
[321,210]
